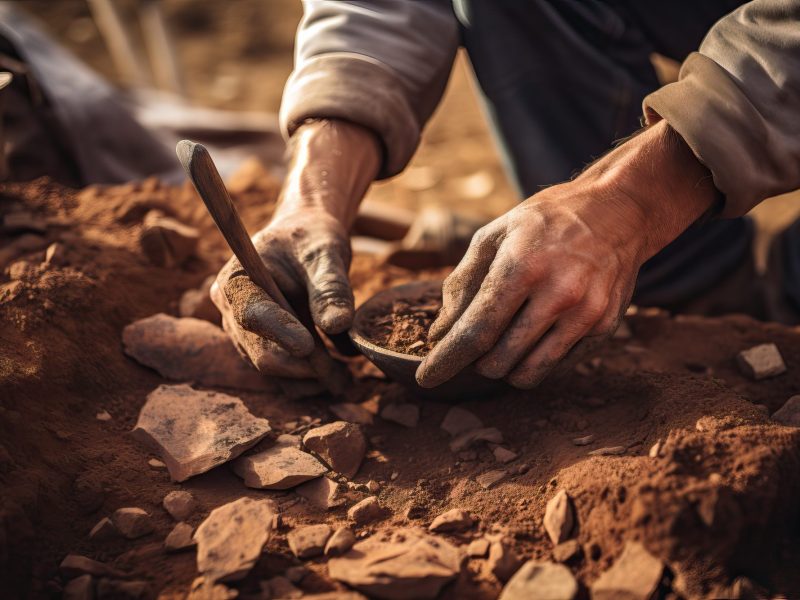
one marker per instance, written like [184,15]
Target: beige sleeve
[737,103]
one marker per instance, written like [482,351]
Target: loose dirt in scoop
[405,329]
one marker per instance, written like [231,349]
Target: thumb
[330,296]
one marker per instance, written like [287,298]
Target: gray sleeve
[383,64]
[737,103]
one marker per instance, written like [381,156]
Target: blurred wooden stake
[119,42]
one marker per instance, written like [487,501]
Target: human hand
[555,274]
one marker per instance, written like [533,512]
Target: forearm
[332,165]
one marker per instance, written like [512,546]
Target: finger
[330,296]
[478,328]
[257,313]
[464,282]
[271,359]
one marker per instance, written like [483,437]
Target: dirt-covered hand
[560,268]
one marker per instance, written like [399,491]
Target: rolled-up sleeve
[737,103]
[382,64]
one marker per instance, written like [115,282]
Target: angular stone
[165,241]
[75,565]
[103,531]
[559,517]
[456,519]
[190,350]
[478,548]
[760,362]
[308,541]
[179,504]
[132,522]
[567,551]
[634,576]
[406,563]
[103,415]
[156,464]
[231,539]
[366,511]
[203,589]
[608,451]
[541,580]
[503,562]
[583,441]
[80,588]
[179,538]
[405,414]
[655,449]
[197,304]
[458,420]
[322,492]
[467,439]
[340,445]
[195,431]
[491,478]
[504,455]
[280,467]
[352,413]
[340,542]
[789,413]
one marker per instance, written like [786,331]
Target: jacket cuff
[355,88]
[721,126]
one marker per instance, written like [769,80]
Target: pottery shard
[405,414]
[407,563]
[231,539]
[365,511]
[467,439]
[760,362]
[453,520]
[190,350]
[340,542]
[280,467]
[75,565]
[165,241]
[322,493]
[309,541]
[132,522]
[559,517]
[179,538]
[340,445]
[80,588]
[541,580]
[789,413]
[635,576]
[458,420]
[503,562]
[352,413]
[195,431]
[179,504]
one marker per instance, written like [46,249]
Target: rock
[179,538]
[467,439]
[179,504]
[541,580]
[634,576]
[459,420]
[80,588]
[103,415]
[583,441]
[156,464]
[280,587]
[114,589]
[340,445]
[655,449]
[308,541]
[503,562]
[365,511]
[760,362]
[352,413]
[280,467]
[478,548]
[504,455]
[322,492]
[567,551]
[195,431]
[203,589]
[340,542]
[75,565]
[190,350]
[608,451]
[197,304]
[103,531]
[456,519]
[230,540]
[559,517]
[405,414]
[490,478]
[165,241]
[789,413]
[132,522]
[405,563]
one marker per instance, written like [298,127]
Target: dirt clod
[405,328]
